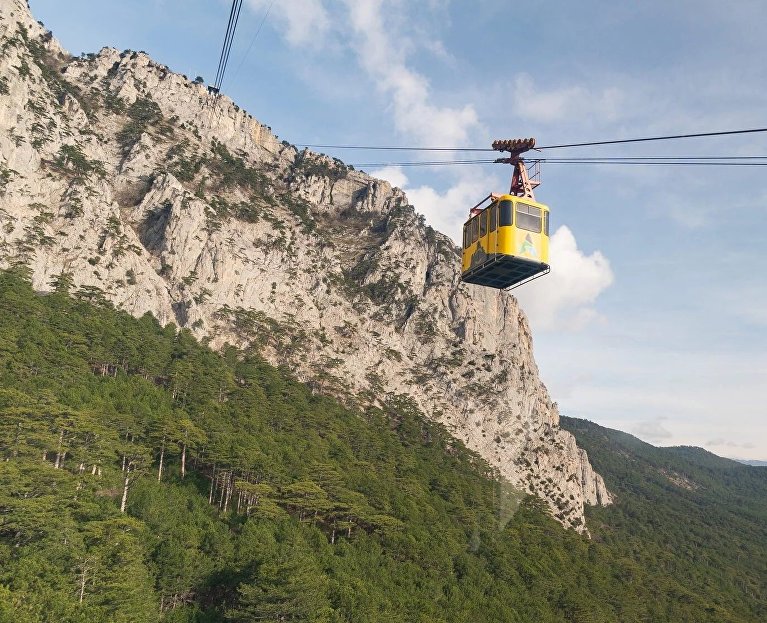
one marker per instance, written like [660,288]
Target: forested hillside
[685,512]
[140,185]
[146,477]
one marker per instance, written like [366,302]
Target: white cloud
[652,430]
[305,21]
[568,103]
[383,59]
[564,298]
[445,211]
[392,174]
[720,442]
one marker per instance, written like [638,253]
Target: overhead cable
[226,49]
[659,160]
[583,144]
[654,138]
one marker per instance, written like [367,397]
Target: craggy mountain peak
[141,188]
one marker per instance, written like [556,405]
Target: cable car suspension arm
[522,183]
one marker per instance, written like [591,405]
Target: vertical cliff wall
[136,183]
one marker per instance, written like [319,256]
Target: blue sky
[654,319]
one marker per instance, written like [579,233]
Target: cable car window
[493,217]
[546,223]
[528,217]
[483,223]
[506,214]
[466,241]
[474,229]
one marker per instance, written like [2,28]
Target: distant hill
[752,463]
[685,510]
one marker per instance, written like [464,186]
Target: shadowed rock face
[131,179]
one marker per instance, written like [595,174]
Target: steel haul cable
[231,28]
[560,146]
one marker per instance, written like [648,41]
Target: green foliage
[145,116]
[687,513]
[311,165]
[243,210]
[72,163]
[50,65]
[248,498]
[231,171]
[113,103]
[5,177]
[182,166]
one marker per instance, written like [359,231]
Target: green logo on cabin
[528,248]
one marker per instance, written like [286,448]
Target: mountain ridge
[128,180]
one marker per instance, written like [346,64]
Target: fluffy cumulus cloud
[372,30]
[445,211]
[564,300]
[392,174]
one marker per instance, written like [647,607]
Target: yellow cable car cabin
[506,243]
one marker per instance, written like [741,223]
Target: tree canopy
[145,477]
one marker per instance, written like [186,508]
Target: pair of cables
[728,160]
[223,61]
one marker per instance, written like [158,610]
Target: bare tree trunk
[125,491]
[223,490]
[83,578]
[58,451]
[212,484]
[162,456]
[183,460]
[229,487]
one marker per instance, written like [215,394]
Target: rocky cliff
[138,186]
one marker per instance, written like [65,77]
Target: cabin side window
[493,216]
[528,217]
[483,223]
[466,238]
[546,223]
[506,213]
[474,229]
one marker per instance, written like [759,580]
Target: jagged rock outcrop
[144,189]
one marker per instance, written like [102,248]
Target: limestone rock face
[147,191]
